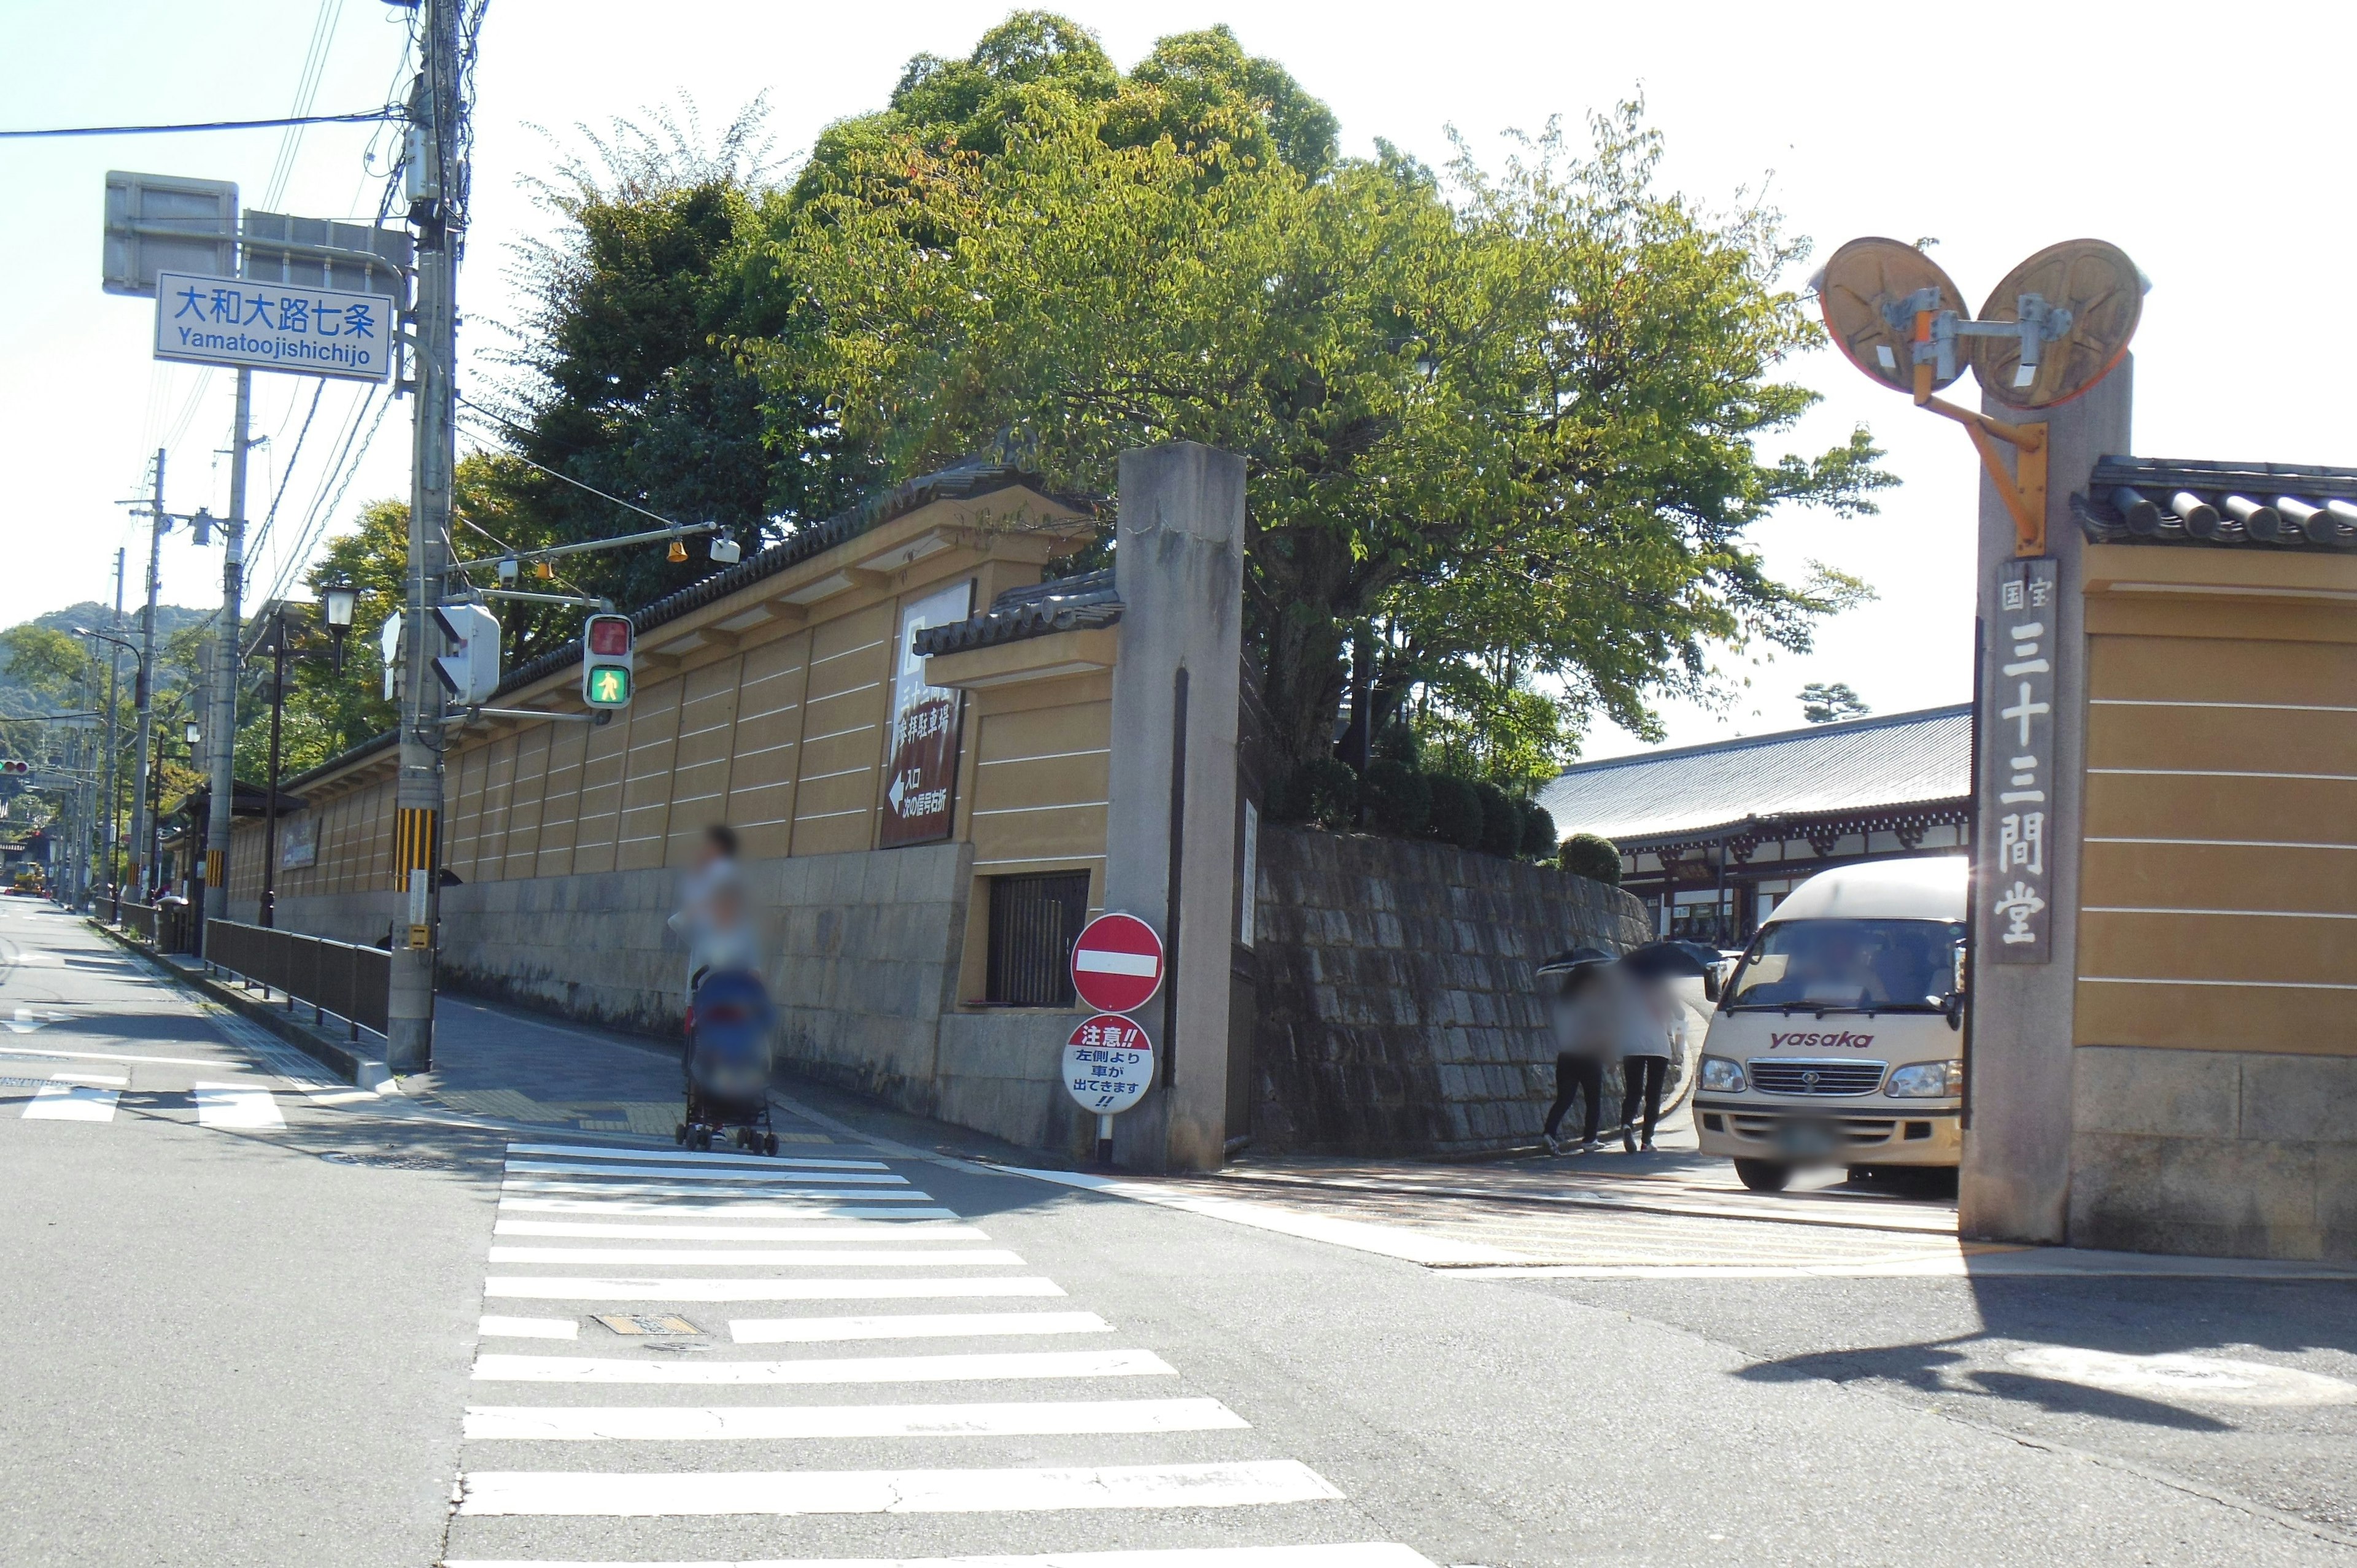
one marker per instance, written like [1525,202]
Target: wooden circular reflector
[1863,276]
[2094,280]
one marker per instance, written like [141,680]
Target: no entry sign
[1116,963]
[1108,1065]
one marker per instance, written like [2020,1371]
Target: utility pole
[220,718]
[437,175]
[113,786]
[143,818]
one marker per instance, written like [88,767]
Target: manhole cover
[646,1323]
[393,1162]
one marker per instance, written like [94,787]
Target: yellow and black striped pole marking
[413,850]
[212,869]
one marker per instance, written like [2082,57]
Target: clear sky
[2208,141]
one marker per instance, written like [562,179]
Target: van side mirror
[1711,984]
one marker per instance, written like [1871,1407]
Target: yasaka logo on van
[1820,1041]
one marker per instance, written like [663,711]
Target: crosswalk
[646,1318]
[226,1106]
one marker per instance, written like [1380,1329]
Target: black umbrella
[1660,960]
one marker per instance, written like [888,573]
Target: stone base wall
[2225,1154]
[1398,1002]
[864,966]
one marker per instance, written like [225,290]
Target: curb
[361,1072]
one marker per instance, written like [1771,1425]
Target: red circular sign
[1116,963]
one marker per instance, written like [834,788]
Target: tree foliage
[1824,703]
[1506,427]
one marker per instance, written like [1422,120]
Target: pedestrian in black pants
[1585,1004]
[1641,1079]
[1575,1074]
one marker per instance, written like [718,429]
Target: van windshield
[1858,966]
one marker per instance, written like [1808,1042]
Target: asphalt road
[387,1331]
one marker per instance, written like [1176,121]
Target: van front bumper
[1880,1134]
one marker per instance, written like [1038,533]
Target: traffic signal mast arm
[675,531]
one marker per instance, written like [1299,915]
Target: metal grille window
[1034,920]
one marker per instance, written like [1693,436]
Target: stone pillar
[2016,1182]
[1179,566]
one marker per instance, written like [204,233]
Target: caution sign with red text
[1108,1064]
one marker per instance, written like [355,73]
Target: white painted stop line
[533,1288]
[912,1326]
[679,1424]
[1007,1366]
[604,1494]
[71,1102]
[231,1105]
[751,1257]
[1345,1554]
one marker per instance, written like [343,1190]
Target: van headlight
[1926,1080]
[1721,1076]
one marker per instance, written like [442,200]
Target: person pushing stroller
[726,1061]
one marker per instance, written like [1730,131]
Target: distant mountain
[89,612]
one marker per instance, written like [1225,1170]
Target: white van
[1838,1039]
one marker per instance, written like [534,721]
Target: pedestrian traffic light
[608,662]
[470,673]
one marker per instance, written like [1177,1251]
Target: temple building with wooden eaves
[1711,836]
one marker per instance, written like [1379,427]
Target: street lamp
[191,732]
[337,598]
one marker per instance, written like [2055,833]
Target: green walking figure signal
[608,662]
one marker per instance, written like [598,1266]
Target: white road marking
[877,1177]
[71,1102]
[2184,1379]
[739,1257]
[231,1105]
[103,1079]
[342,1096]
[1386,1241]
[1348,1554]
[912,1326]
[559,1188]
[572,1289]
[1003,1366]
[623,1495]
[25,1020]
[494,1328]
[766,1162]
[746,1210]
[214,1062]
[894,1229]
[673,1424]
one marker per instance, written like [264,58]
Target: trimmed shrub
[1327,794]
[1399,799]
[1396,742]
[1593,856]
[1501,823]
[1538,831]
[1455,811]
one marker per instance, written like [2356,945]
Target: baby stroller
[727,1064]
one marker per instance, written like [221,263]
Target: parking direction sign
[1116,963]
[1108,1064]
[272,326]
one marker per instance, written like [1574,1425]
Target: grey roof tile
[1857,766]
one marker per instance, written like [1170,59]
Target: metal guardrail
[165,928]
[352,983]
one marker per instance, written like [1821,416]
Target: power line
[363,117]
[487,413]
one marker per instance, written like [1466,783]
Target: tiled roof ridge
[1035,609]
[961,481]
[1773,737]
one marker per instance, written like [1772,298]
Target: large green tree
[1506,426]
